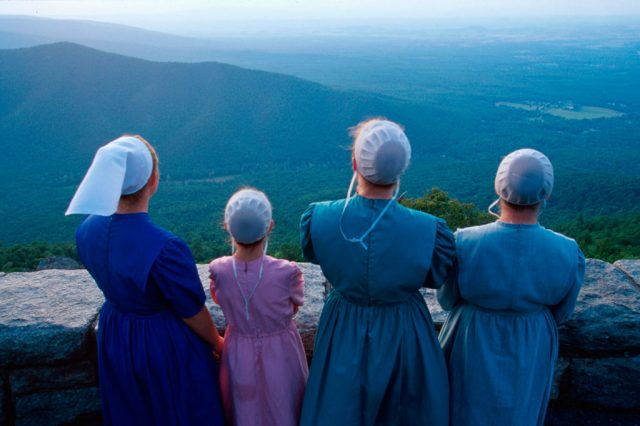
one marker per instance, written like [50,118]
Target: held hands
[202,325]
[217,347]
[218,344]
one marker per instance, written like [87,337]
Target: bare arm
[297,288]
[202,324]
[212,287]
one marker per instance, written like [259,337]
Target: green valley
[219,127]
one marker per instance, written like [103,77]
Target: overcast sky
[188,16]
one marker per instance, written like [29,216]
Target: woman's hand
[202,324]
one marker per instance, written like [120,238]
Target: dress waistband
[259,334]
[108,305]
[507,312]
[373,304]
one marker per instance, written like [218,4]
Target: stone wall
[48,363]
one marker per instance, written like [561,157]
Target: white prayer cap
[248,216]
[121,167]
[382,152]
[525,177]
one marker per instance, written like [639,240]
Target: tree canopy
[456,213]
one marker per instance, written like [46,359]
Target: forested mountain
[210,123]
[219,127]
[208,118]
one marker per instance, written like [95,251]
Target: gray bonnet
[524,177]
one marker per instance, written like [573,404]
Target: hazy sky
[189,16]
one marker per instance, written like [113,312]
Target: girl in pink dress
[263,368]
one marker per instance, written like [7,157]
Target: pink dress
[263,370]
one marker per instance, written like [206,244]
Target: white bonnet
[248,216]
[121,167]
[382,152]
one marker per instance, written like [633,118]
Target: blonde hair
[354,131]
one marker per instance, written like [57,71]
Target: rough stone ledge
[5,397]
[608,382]
[631,267]
[48,320]
[582,414]
[607,314]
[26,381]
[55,408]
[45,316]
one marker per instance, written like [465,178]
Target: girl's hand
[218,345]
[217,348]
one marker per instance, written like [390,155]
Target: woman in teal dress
[376,359]
[515,282]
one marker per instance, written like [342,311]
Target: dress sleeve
[213,278]
[176,275]
[563,310]
[296,280]
[444,252]
[305,235]
[449,294]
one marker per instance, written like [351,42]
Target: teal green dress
[377,360]
[514,284]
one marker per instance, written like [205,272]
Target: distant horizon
[319,26]
[239,17]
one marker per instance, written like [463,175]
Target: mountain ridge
[60,102]
[85,76]
[73,30]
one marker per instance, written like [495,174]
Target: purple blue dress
[514,284]
[263,370]
[153,369]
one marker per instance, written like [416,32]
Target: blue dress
[514,284]
[153,369]
[377,360]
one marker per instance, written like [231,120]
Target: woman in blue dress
[515,282]
[377,360]
[155,336]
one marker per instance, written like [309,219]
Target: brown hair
[522,208]
[154,157]
[252,244]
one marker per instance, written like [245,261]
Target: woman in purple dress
[155,336]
